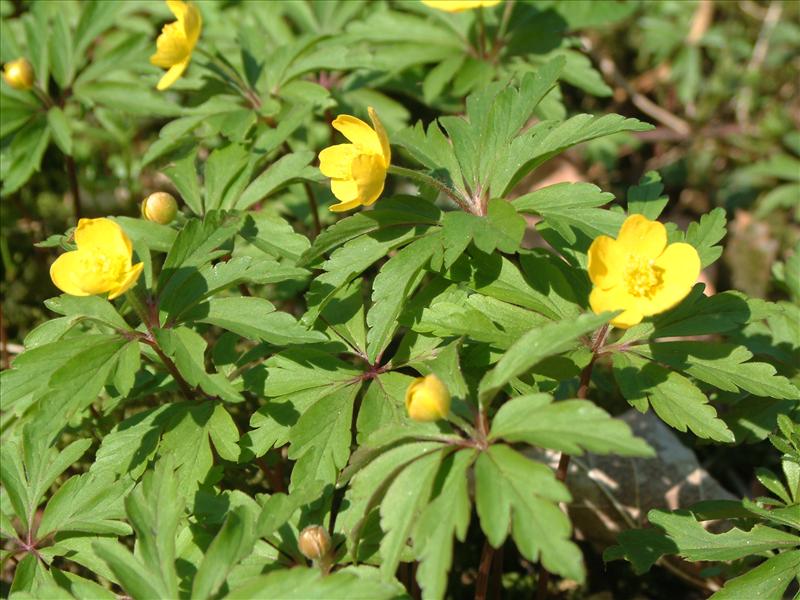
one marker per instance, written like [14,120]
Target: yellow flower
[357,170]
[160,207]
[177,41]
[102,262]
[638,272]
[427,399]
[454,6]
[19,74]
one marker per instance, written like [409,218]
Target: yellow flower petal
[607,261]
[454,6]
[334,161]
[343,206]
[613,299]
[358,132]
[172,47]
[369,173]
[386,149]
[104,235]
[192,25]
[681,265]
[178,8]
[345,190]
[642,237]
[128,281]
[66,273]
[172,75]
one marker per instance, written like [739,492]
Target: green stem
[140,308]
[233,78]
[481,33]
[428,180]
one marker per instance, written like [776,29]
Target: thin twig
[482,584]
[640,101]
[760,49]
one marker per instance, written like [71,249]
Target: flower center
[643,277]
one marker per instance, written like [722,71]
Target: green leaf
[187,349]
[768,581]
[154,508]
[153,235]
[513,490]
[274,235]
[130,97]
[536,345]
[302,583]
[183,173]
[405,268]
[675,399]
[570,426]
[195,246]
[724,366]
[390,212]
[254,318]
[641,547]
[282,172]
[696,543]
[705,234]
[59,127]
[86,503]
[320,441]
[402,504]
[446,516]
[61,51]
[232,542]
[646,198]
[501,229]
[568,207]
[383,404]
[224,433]
[130,571]
[92,307]
[227,171]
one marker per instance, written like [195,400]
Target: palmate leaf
[302,583]
[696,543]
[536,345]
[502,229]
[511,490]
[254,318]
[724,366]
[675,399]
[570,426]
[389,212]
[645,198]
[153,509]
[768,580]
[445,517]
[568,206]
[401,506]
[388,298]
[705,234]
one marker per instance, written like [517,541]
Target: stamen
[643,277]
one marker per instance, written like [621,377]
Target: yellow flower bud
[427,399]
[159,207]
[314,542]
[19,74]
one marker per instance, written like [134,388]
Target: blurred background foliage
[719,79]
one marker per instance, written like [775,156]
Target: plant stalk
[563,461]
[428,180]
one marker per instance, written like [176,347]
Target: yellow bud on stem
[427,399]
[19,74]
[160,207]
